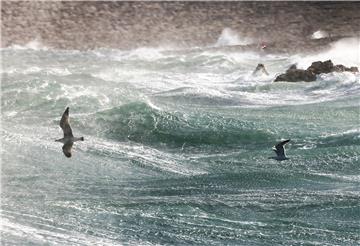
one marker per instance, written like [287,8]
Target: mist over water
[230,37]
[176,148]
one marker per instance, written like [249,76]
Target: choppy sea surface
[177,146]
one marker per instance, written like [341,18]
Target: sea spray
[344,51]
[231,37]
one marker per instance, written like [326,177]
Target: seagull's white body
[68,139]
[280,151]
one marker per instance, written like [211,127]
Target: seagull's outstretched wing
[279,148]
[64,124]
[67,149]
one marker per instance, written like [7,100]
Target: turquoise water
[176,151]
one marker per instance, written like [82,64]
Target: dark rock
[319,67]
[296,75]
[293,66]
[339,68]
[328,67]
[342,68]
[260,68]
[353,69]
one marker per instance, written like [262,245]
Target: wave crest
[140,122]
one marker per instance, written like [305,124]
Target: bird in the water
[280,151]
[68,139]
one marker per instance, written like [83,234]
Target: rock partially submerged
[293,74]
[260,69]
[342,68]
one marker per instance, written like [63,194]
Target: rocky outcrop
[293,74]
[319,67]
[342,68]
[260,68]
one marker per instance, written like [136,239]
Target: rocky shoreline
[286,26]
[294,74]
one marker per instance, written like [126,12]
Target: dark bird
[68,139]
[280,151]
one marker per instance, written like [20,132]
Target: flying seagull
[280,151]
[68,139]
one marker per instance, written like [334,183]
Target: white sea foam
[36,69]
[319,34]
[77,91]
[355,131]
[348,178]
[49,233]
[33,45]
[143,53]
[345,51]
[231,37]
[149,157]
[11,113]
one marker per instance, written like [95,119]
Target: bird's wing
[279,148]
[64,124]
[67,149]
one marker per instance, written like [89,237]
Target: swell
[140,122]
